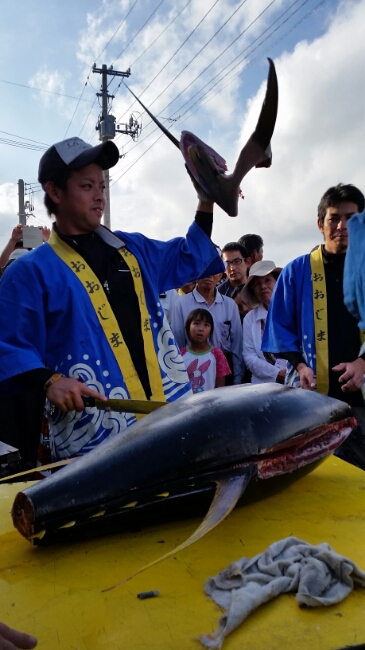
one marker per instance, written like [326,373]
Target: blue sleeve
[354,274]
[22,322]
[282,329]
[178,260]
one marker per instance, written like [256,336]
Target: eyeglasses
[235,262]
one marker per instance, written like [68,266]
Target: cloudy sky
[203,65]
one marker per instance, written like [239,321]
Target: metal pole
[104,138]
[106,124]
[22,216]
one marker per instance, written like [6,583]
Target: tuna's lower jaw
[298,453]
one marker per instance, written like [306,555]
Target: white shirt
[262,370]
[227,333]
[167,301]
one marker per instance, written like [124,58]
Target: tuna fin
[226,496]
[39,468]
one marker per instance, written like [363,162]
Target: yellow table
[55,592]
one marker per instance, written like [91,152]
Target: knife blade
[123,405]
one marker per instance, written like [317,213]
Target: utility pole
[22,215]
[106,123]
[25,207]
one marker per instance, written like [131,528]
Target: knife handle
[88,401]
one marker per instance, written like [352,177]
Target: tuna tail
[225,189]
[221,188]
[228,492]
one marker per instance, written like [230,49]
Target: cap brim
[106,155]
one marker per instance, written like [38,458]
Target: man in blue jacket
[81,315]
[308,323]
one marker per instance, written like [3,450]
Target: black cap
[74,153]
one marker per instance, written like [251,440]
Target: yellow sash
[108,321]
[321,320]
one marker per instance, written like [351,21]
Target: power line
[214,61]
[299,22]
[255,48]
[23,138]
[116,31]
[150,45]
[207,43]
[88,76]
[225,70]
[178,50]
[87,116]
[42,90]
[138,32]
[77,105]
[22,145]
[157,37]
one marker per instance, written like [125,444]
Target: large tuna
[223,437]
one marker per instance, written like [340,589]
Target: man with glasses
[234,258]
[227,334]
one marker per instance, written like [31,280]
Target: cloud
[52,81]
[102,25]
[9,209]
[317,140]
[317,143]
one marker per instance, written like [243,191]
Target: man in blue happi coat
[308,323]
[81,314]
[354,277]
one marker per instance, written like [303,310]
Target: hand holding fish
[306,376]
[202,197]
[353,375]
[13,640]
[67,392]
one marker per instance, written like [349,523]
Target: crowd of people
[101,314]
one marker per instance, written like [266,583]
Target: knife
[124,405]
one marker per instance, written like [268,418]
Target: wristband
[55,377]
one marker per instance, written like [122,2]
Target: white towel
[317,573]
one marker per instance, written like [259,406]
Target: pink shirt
[204,367]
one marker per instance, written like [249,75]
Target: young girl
[206,366]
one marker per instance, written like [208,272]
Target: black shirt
[113,273]
[343,331]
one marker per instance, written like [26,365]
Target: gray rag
[317,573]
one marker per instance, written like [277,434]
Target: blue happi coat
[290,320]
[47,320]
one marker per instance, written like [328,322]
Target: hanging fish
[209,168]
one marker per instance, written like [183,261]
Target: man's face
[334,227]
[209,283]
[257,255]
[236,268]
[80,208]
